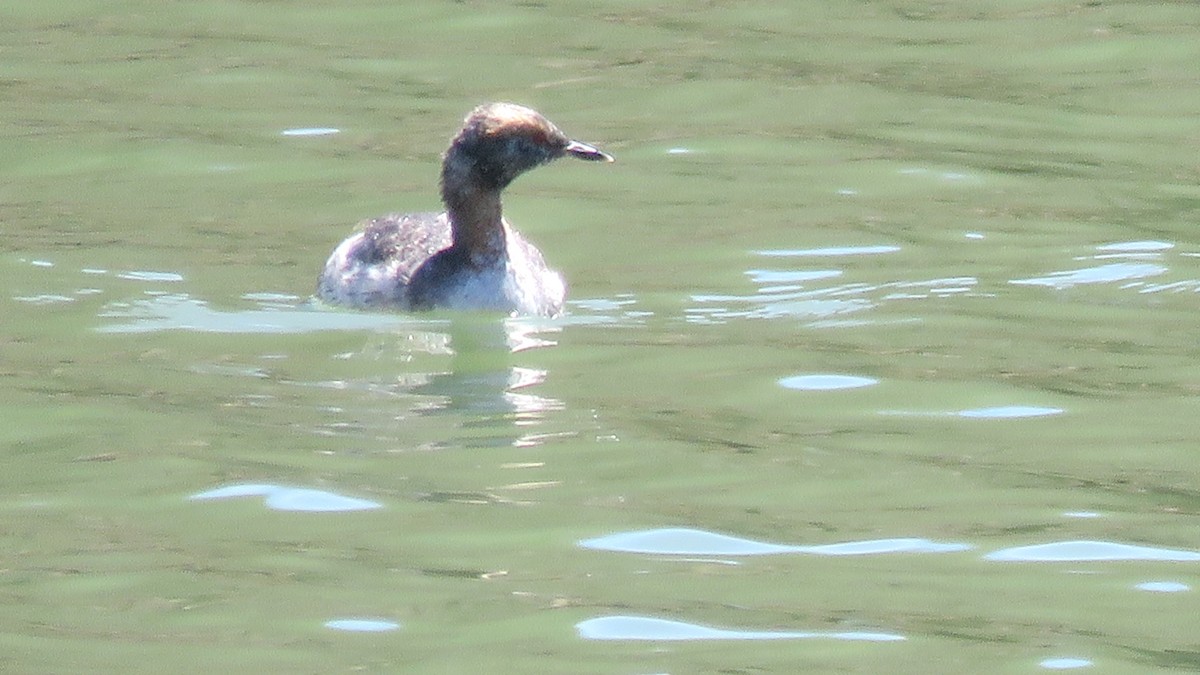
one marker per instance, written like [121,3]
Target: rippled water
[660,630]
[903,296]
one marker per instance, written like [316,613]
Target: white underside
[521,284]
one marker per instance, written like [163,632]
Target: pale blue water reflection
[1065,663]
[44,299]
[1010,412]
[1082,514]
[790,276]
[838,210]
[785,293]
[826,382]
[1101,274]
[1149,246]
[283,498]
[362,625]
[688,541]
[178,311]
[652,629]
[796,301]
[1163,586]
[1003,412]
[828,251]
[1089,551]
[1141,259]
[169,277]
[310,131]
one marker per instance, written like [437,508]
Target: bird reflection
[483,382]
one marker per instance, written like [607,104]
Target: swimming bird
[469,256]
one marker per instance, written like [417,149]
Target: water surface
[983,214]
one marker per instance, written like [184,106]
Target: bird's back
[372,267]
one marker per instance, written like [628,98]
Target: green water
[161,239]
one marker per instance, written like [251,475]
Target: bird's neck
[476,222]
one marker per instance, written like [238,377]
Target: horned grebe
[468,257]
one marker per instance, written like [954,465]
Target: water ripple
[44,299]
[649,628]
[1136,246]
[687,541]
[290,498]
[819,303]
[993,413]
[150,276]
[1101,274]
[1163,587]
[1010,412]
[310,131]
[790,276]
[178,311]
[362,625]
[1088,551]
[826,382]
[1065,663]
[828,251]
